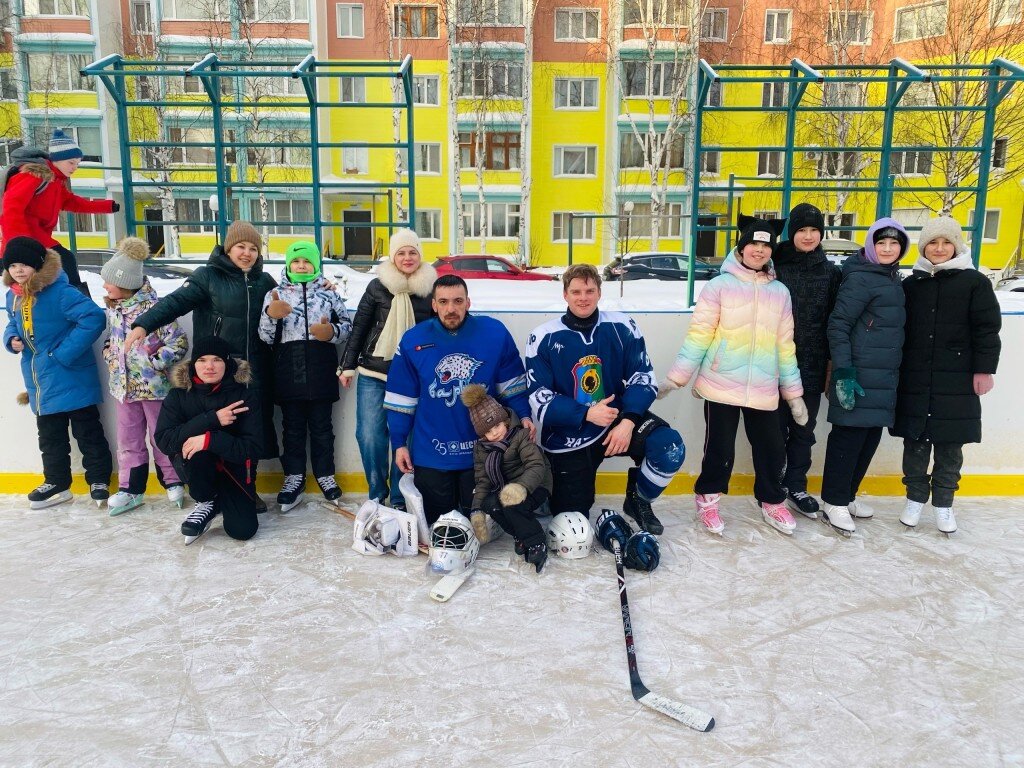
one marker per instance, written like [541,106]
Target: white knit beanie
[402,238]
[942,226]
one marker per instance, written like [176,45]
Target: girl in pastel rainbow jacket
[138,377]
[740,350]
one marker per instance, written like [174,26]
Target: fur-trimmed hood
[45,276]
[181,375]
[419,283]
[42,171]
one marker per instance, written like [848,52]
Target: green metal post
[705,77]
[405,71]
[571,218]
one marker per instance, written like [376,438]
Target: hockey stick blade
[683,713]
[449,585]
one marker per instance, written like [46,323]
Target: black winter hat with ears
[754,230]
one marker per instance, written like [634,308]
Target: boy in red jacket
[38,192]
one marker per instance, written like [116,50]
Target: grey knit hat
[125,268]
[942,226]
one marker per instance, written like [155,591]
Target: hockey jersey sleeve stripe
[512,387]
[401,403]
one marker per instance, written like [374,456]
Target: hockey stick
[685,714]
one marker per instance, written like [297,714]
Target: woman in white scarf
[397,299]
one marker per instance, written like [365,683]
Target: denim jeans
[373,440]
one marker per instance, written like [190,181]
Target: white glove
[665,386]
[796,405]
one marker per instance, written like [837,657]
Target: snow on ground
[122,647]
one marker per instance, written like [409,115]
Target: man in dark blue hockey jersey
[435,361]
[591,384]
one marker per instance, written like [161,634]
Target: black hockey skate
[99,492]
[639,508]
[329,487]
[804,503]
[291,492]
[48,495]
[199,519]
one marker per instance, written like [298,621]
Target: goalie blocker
[379,529]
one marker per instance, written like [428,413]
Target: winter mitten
[847,387]
[322,331]
[611,526]
[512,494]
[665,386]
[796,405]
[277,308]
[642,552]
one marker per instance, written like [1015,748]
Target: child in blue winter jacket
[304,321]
[53,327]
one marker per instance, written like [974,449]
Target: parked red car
[484,267]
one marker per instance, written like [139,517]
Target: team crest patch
[451,374]
[588,375]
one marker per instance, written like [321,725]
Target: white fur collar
[419,283]
[960,261]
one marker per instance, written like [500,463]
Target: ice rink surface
[122,647]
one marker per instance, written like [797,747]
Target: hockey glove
[278,308]
[611,526]
[322,331]
[847,387]
[665,386]
[799,410]
[642,552]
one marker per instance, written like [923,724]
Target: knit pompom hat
[484,411]
[942,226]
[125,267]
[63,147]
[402,238]
[242,232]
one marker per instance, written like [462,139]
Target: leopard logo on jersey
[452,373]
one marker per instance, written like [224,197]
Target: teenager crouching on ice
[211,427]
[740,346]
[950,353]
[865,338]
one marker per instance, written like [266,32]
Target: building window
[491,79]
[848,28]
[428,224]
[714,94]
[56,7]
[502,220]
[575,161]
[999,151]
[355,160]
[201,10]
[296,215]
[917,163]
[575,93]
[919,21]
[714,24]
[577,24]
[90,140]
[655,13]
[1004,12]
[426,90]
[837,164]
[990,231]
[350,20]
[769,163]
[776,26]
[490,13]
[142,17]
[353,90]
[85,223]
[765,214]
[296,151]
[670,219]
[195,211]
[582,229]
[501,151]
[416,21]
[711,163]
[8,86]
[202,155]
[274,10]
[661,82]
[636,153]
[840,224]
[428,158]
[58,72]
[773,94]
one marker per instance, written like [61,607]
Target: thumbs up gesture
[277,308]
[322,331]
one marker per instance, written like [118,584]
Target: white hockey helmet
[453,545]
[570,535]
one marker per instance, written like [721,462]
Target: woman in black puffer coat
[951,351]
[397,299]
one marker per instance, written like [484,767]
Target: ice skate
[945,520]
[778,517]
[519,547]
[804,503]
[639,508]
[291,492]
[123,501]
[198,521]
[839,518]
[48,495]
[176,494]
[911,513]
[707,512]
[537,555]
[329,488]
[860,510]
[99,493]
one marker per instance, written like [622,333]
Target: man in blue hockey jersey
[434,362]
[591,384]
